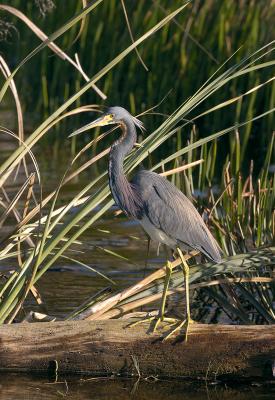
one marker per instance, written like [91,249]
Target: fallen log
[111,347]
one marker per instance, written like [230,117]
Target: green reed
[183,56]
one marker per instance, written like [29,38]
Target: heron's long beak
[106,119]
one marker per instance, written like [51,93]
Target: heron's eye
[108,118]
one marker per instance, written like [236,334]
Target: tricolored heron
[164,212]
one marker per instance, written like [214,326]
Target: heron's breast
[155,233]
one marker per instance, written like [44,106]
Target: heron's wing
[170,210]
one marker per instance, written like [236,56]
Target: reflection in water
[13,387]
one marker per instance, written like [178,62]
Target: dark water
[13,387]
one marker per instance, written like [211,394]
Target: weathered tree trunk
[105,347]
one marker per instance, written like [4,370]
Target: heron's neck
[122,190]
[124,144]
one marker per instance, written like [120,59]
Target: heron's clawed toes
[142,321]
[157,319]
[161,319]
[185,323]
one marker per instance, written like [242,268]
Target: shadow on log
[111,347]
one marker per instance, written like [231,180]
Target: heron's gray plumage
[163,210]
[171,212]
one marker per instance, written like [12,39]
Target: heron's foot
[161,319]
[157,319]
[142,321]
[186,323]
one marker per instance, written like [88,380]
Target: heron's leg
[188,319]
[169,269]
[185,268]
[160,317]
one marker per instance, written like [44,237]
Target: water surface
[14,387]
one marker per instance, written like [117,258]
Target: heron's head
[113,115]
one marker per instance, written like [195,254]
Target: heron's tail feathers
[210,247]
[212,250]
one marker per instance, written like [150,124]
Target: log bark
[111,347]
